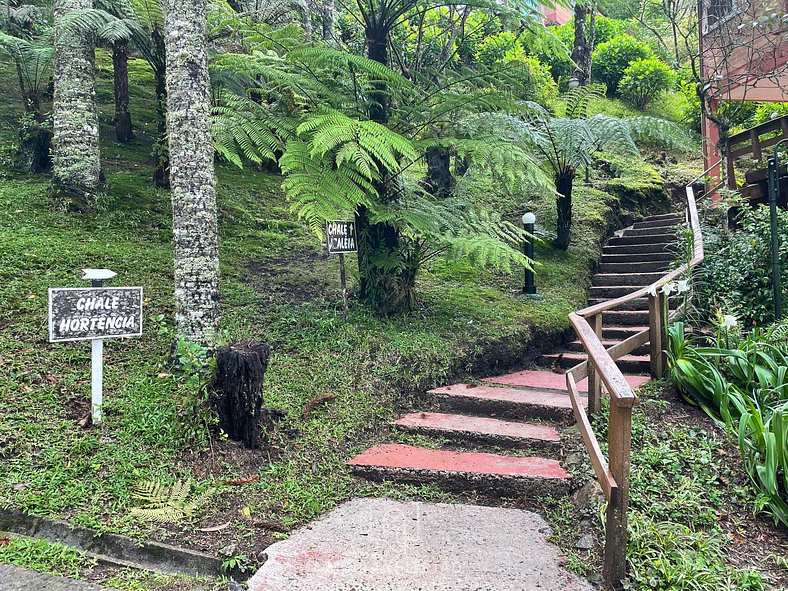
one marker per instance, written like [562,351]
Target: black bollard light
[529,286]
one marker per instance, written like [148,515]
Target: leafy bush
[495,47]
[737,272]
[534,78]
[741,383]
[644,80]
[767,111]
[610,59]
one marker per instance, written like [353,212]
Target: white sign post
[95,313]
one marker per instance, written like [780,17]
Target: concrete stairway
[519,416]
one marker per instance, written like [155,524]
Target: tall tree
[76,169]
[120,62]
[192,178]
[583,47]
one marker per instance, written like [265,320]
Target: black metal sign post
[341,238]
[94,314]
[773,177]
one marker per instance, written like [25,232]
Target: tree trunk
[328,16]
[238,391]
[161,154]
[34,154]
[439,180]
[591,44]
[563,186]
[194,227]
[75,144]
[120,63]
[382,281]
[580,55]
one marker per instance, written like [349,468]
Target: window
[717,12]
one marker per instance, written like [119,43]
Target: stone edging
[115,548]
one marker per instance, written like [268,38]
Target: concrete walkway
[385,545]
[13,578]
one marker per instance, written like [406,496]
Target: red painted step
[550,380]
[478,428]
[503,402]
[483,472]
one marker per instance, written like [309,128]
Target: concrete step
[664,231]
[647,248]
[638,304]
[664,223]
[481,430]
[678,216]
[638,257]
[636,364]
[548,380]
[651,239]
[463,472]
[634,267]
[507,403]
[604,292]
[616,279]
[619,333]
[625,317]
[577,346]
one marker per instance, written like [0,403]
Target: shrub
[610,59]
[740,383]
[536,81]
[736,274]
[765,112]
[644,80]
[495,47]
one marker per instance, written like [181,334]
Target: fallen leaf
[215,527]
[18,486]
[5,540]
[86,421]
[246,512]
[163,375]
[242,481]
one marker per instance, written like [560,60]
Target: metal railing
[601,370]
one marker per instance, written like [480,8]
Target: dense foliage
[742,382]
[736,275]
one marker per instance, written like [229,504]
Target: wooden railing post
[594,380]
[616,537]
[657,333]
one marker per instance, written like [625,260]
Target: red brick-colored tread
[535,397]
[408,457]
[452,423]
[550,380]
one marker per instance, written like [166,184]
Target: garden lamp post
[773,175]
[529,287]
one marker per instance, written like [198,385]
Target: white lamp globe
[529,218]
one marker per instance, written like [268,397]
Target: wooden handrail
[601,369]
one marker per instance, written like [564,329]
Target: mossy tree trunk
[328,17]
[192,173]
[120,63]
[33,154]
[563,186]
[439,180]
[76,170]
[383,280]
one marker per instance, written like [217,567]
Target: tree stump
[238,391]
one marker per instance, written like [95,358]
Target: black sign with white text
[341,236]
[78,314]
